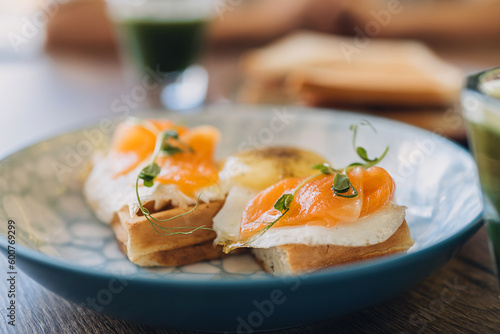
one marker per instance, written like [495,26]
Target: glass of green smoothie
[481,110]
[162,39]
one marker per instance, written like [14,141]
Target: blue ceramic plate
[61,245]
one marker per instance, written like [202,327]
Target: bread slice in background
[298,259]
[382,86]
[328,69]
[273,62]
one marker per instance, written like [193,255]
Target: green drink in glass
[165,37]
[167,46]
[481,110]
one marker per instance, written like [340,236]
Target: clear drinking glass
[163,39]
[481,110]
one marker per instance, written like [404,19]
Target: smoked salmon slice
[133,143]
[315,202]
[190,170]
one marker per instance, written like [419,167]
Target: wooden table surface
[472,307]
[44,94]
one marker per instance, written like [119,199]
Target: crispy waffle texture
[144,246]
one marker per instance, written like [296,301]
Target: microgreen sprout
[283,205]
[361,151]
[164,144]
[341,183]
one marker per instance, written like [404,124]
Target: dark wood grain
[472,306]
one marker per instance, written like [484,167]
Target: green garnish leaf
[355,193]
[341,183]
[284,202]
[288,201]
[361,151]
[355,164]
[171,150]
[171,134]
[151,170]
[323,168]
[149,173]
[362,154]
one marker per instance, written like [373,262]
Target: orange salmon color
[315,202]
[133,144]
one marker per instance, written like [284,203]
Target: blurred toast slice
[382,85]
[273,62]
[325,69]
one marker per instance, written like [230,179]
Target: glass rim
[474,84]
[159,10]
[138,3]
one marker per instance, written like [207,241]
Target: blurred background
[66,62]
